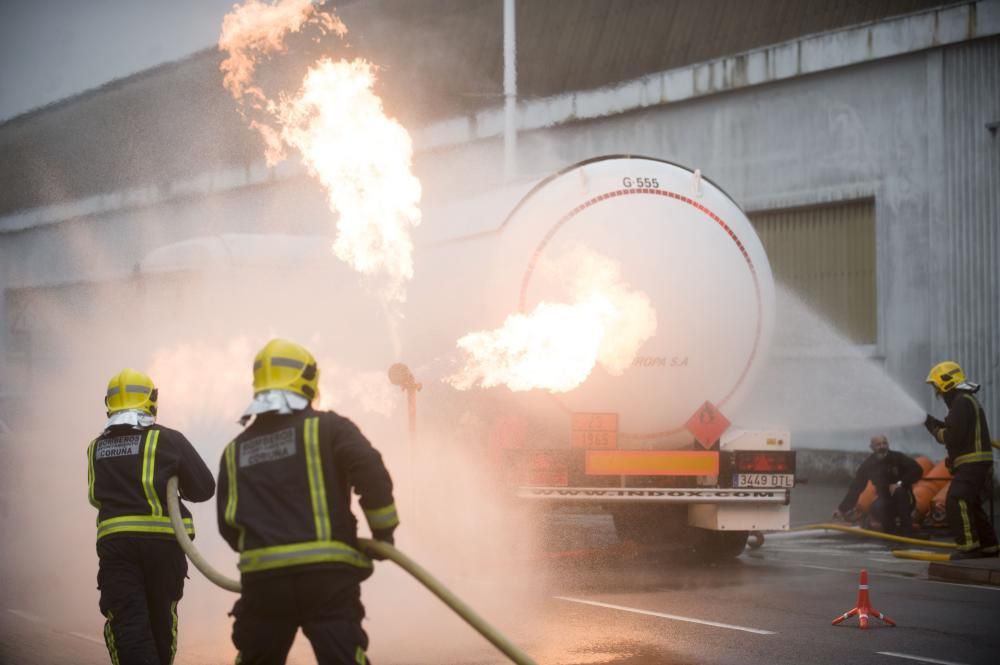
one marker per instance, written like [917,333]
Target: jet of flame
[557,345]
[338,126]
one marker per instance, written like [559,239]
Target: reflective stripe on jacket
[966,433]
[286,483]
[127,473]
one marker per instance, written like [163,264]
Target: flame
[338,126]
[257,29]
[557,345]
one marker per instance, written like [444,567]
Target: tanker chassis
[706,501]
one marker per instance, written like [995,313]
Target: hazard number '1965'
[594,431]
[764,480]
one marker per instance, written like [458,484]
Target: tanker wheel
[719,545]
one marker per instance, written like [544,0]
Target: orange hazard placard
[594,431]
[707,424]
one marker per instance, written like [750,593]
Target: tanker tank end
[626,303]
[628,285]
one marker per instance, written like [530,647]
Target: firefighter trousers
[967,519]
[325,603]
[141,581]
[895,512]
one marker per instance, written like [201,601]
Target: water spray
[369,547]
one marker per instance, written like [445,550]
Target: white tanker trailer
[646,434]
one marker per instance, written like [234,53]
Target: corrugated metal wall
[971,233]
[826,254]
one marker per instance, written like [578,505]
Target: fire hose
[876,534]
[368,547]
[918,555]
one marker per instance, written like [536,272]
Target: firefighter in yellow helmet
[285,505]
[966,436]
[141,566]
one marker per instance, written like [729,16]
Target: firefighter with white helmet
[141,567]
[285,505]
[966,435]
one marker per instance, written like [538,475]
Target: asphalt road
[773,605]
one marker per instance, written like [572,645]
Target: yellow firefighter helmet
[284,365]
[946,375]
[131,389]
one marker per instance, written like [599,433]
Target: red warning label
[707,424]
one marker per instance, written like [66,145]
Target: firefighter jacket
[285,492]
[966,434]
[895,467]
[127,472]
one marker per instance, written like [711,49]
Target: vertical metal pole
[400,375]
[411,403]
[510,89]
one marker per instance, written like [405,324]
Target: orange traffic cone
[864,608]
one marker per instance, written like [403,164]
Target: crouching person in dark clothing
[892,474]
[142,568]
[285,505]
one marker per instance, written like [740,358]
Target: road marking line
[810,565]
[883,573]
[920,658]
[27,616]
[666,616]
[967,586]
[88,638]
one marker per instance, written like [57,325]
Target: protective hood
[132,417]
[267,401]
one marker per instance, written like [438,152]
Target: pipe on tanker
[368,547]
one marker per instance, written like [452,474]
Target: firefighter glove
[383,536]
[932,424]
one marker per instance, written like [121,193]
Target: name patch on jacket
[120,446]
[268,448]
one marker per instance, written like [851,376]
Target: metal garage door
[826,255]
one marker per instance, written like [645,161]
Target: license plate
[762,480]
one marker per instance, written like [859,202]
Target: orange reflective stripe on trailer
[652,463]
